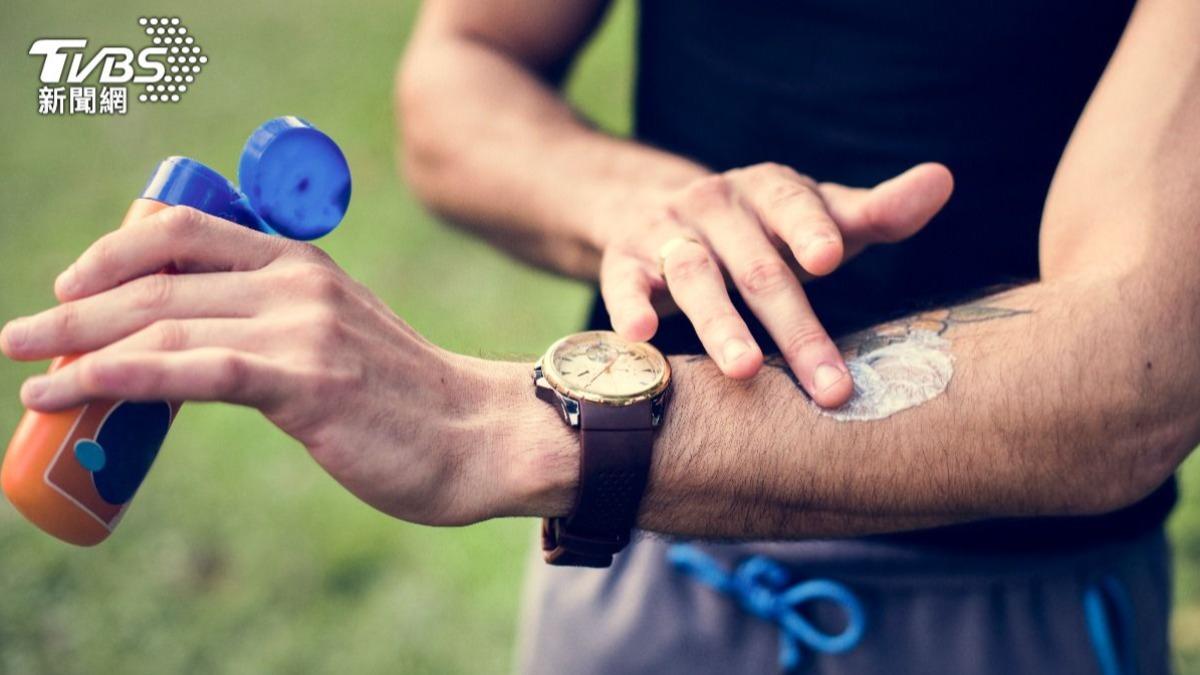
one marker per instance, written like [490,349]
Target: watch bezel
[549,373]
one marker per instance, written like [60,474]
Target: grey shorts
[1102,611]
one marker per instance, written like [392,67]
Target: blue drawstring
[1100,600]
[758,585]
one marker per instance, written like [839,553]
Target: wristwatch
[615,393]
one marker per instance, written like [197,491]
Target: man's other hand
[274,324]
[767,229]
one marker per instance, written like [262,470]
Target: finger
[181,238]
[893,210]
[696,284]
[774,295]
[626,286]
[789,206]
[176,335]
[209,374]
[95,321]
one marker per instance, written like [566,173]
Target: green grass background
[240,556]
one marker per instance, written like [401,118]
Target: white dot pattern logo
[183,60]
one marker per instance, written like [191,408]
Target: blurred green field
[240,555]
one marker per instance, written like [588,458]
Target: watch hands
[603,370]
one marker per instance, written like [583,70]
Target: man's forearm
[1051,409]
[487,144]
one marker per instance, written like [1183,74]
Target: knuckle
[325,283]
[307,251]
[665,218]
[168,335]
[773,184]
[100,376]
[763,169]
[284,275]
[230,372]
[65,321]
[714,189]
[763,276]
[87,376]
[810,336]
[739,174]
[103,254]
[621,253]
[687,263]
[327,329]
[151,292]
[672,216]
[312,279]
[782,193]
[785,172]
[180,221]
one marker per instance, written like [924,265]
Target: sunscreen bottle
[74,472]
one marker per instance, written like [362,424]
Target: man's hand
[276,325]
[768,228]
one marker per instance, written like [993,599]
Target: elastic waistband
[883,562]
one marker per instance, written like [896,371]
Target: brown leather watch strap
[616,444]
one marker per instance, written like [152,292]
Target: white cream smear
[896,377]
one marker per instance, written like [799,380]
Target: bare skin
[1076,394]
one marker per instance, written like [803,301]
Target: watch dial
[603,364]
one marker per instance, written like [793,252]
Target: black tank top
[856,91]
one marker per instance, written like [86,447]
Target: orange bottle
[73,472]
[49,467]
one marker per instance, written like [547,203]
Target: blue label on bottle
[124,448]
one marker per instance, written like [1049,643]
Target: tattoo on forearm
[937,322]
[902,363]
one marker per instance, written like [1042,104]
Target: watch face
[601,366]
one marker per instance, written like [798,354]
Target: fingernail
[15,333]
[815,247]
[819,243]
[65,283]
[35,387]
[733,349]
[826,376]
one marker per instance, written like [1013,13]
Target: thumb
[891,211]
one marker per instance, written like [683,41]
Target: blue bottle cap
[295,177]
[180,181]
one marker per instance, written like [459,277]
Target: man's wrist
[536,455]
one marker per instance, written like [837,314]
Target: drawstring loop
[758,585]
